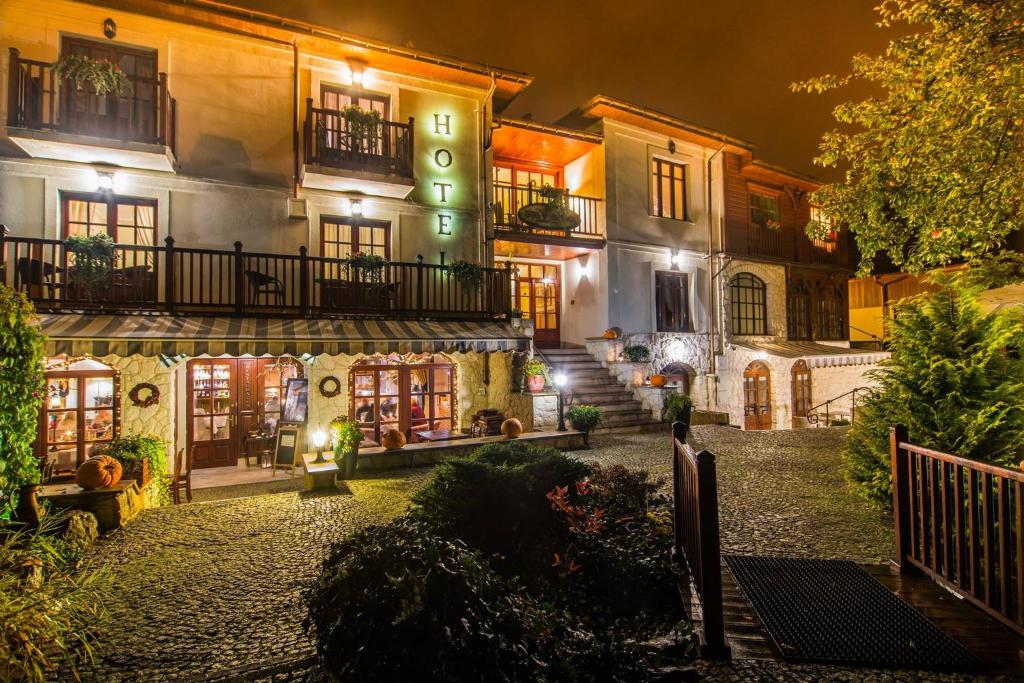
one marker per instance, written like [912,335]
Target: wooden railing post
[419,284]
[303,281]
[169,274]
[307,133]
[239,295]
[710,557]
[900,495]
[409,154]
[678,436]
[510,292]
[3,253]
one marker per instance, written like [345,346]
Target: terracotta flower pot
[535,383]
[658,380]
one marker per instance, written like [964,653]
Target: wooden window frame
[660,291]
[355,223]
[42,442]
[829,314]
[405,395]
[802,387]
[656,175]
[355,92]
[760,191]
[531,167]
[741,324]
[112,201]
[800,328]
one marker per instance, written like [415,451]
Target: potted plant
[677,408]
[140,456]
[536,372]
[772,225]
[345,440]
[584,418]
[106,78]
[363,127]
[469,275]
[636,353]
[91,262]
[551,214]
[368,267]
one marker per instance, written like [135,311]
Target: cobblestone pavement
[204,588]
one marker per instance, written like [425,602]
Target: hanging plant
[469,275]
[369,267]
[106,78]
[363,125]
[772,225]
[92,259]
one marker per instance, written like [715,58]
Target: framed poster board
[288,447]
[296,401]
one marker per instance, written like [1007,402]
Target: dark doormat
[832,611]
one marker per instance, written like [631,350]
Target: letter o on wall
[443,158]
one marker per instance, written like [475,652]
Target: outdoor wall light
[358,72]
[677,259]
[104,181]
[319,439]
[357,207]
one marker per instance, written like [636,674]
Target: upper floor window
[336,98]
[342,237]
[668,189]
[748,307]
[672,301]
[764,211]
[128,220]
[831,319]
[826,234]
[798,310]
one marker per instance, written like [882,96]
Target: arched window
[412,393]
[679,374]
[79,413]
[748,305]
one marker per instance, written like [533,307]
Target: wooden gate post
[711,559]
[900,491]
[678,435]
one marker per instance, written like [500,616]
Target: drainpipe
[711,266]
[484,171]
[295,119]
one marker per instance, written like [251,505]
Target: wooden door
[757,397]
[801,387]
[213,411]
[539,293]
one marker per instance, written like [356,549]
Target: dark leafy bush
[621,490]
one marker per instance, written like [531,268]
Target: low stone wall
[430,453]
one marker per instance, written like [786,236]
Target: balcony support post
[303,281]
[169,274]
[409,147]
[419,284]
[239,292]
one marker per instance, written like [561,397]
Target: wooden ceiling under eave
[543,248]
[537,143]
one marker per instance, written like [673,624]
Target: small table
[441,435]
[319,475]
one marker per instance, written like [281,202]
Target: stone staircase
[591,383]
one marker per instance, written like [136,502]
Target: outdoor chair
[182,477]
[36,273]
[266,285]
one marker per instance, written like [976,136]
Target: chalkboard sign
[288,449]
[296,401]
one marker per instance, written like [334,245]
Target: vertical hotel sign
[443,159]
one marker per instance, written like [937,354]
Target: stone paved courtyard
[207,589]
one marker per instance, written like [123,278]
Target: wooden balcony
[183,280]
[51,119]
[344,158]
[508,228]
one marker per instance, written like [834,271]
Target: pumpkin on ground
[511,428]
[98,473]
[393,440]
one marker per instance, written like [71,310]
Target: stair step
[575,365]
[618,406]
[564,351]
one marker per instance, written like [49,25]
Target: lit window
[668,189]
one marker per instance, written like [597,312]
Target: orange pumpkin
[393,440]
[610,333]
[511,428]
[658,380]
[100,472]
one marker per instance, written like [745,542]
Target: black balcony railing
[508,199]
[173,279]
[333,140]
[39,100]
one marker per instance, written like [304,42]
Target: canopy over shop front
[817,355]
[128,335]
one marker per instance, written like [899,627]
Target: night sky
[722,64]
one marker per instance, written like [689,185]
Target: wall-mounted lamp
[109,28]
[357,207]
[677,259]
[358,72]
[104,181]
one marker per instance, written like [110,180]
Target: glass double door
[229,398]
[757,397]
[538,293]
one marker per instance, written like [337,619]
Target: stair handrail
[813,418]
[874,337]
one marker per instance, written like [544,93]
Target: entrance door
[213,411]
[801,391]
[538,294]
[757,397]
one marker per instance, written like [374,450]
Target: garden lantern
[319,439]
[560,381]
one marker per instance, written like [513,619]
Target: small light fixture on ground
[560,381]
[319,439]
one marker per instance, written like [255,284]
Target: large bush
[22,382]
[955,379]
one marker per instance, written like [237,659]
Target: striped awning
[817,355]
[145,335]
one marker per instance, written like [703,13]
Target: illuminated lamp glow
[357,207]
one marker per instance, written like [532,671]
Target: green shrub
[955,379]
[839,422]
[675,407]
[137,447]
[23,383]
[621,490]
[49,609]
[637,353]
[345,437]
[584,417]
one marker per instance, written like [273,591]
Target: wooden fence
[961,522]
[695,521]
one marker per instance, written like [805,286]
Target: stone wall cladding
[774,277]
[155,420]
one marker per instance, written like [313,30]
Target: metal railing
[333,140]
[508,199]
[816,417]
[38,100]
[961,522]
[696,530]
[175,279]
